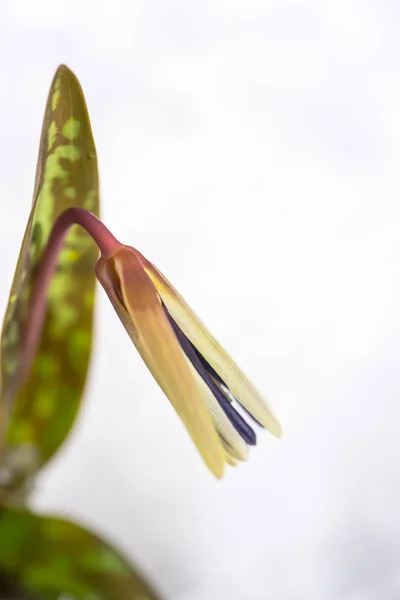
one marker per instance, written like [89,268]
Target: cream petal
[230,460]
[141,312]
[230,457]
[241,388]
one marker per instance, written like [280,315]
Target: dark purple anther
[243,428]
[214,373]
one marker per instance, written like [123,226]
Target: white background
[251,149]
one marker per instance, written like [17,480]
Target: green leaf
[34,420]
[49,558]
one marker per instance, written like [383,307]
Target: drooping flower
[196,374]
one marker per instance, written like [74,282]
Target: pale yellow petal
[229,456]
[148,326]
[231,461]
[241,388]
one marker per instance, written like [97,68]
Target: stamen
[222,383]
[243,428]
[209,368]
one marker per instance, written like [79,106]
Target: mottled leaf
[34,420]
[49,558]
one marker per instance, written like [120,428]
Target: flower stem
[107,244]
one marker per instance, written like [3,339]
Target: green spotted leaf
[35,419]
[53,559]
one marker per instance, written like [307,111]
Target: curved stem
[103,237]
[107,244]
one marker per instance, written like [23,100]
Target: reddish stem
[107,244]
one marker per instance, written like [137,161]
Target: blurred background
[251,150]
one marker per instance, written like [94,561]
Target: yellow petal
[141,312]
[241,388]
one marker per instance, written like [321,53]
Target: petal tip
[215,461]
[270,421]
[276,429]
[217,468]
[218,473]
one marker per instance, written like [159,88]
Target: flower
[194,371]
